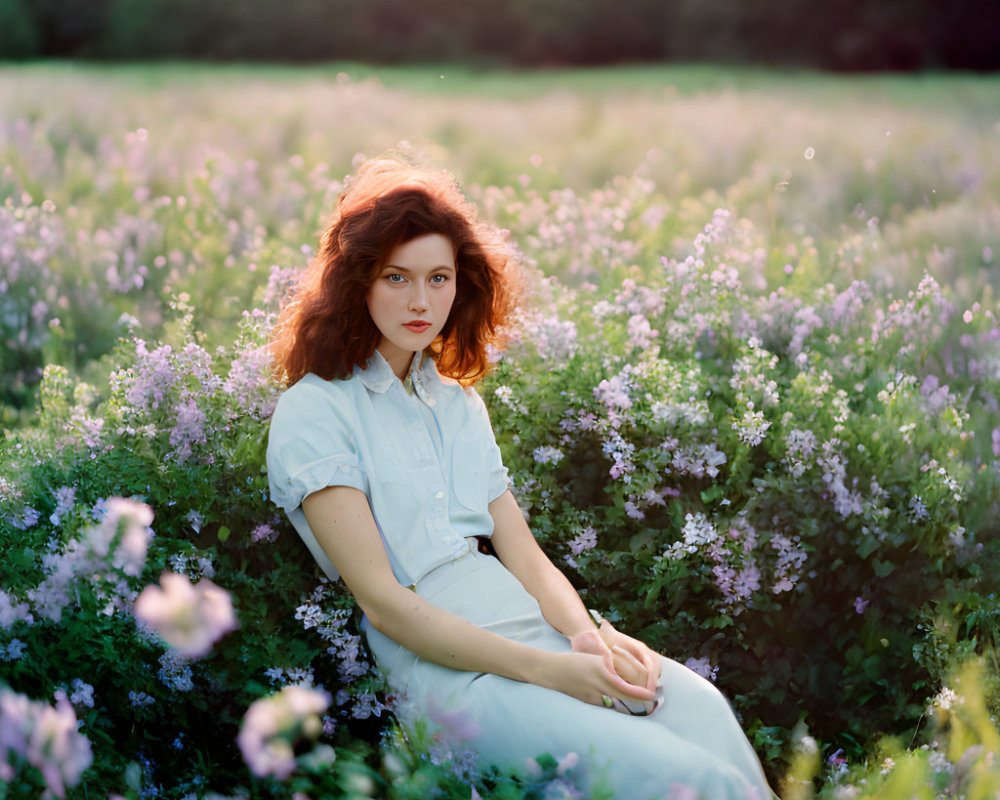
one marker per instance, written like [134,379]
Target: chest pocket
[470,471]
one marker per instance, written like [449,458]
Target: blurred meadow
[751,406]
[256,154]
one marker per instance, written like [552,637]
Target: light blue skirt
[692,746]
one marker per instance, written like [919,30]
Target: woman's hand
[590,676]
[629,649]
[625,665]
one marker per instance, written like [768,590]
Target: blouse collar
[377,375]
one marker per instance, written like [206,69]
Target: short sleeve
[496,473]
[310,446]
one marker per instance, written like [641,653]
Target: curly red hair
[325,327]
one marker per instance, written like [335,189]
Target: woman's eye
[439,279]
[394,277]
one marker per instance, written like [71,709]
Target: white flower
[548,455]
[698,530]
[751,428]
[189,618]
[47,737]
[272,724]
[946,698]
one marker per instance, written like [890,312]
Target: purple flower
[703,667]
[263,533]
[65,497]
[11,611]
[614,393]
[188,430]
[547,455]
[28,518]
[860,605]
[585,541]
[47,737]
[456,726]
[249,382]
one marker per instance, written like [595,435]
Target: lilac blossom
[46,737]
[917,511]
[152,377]
[547,455]
[300,676]
[188,430]
[703,667]
[190,618]
[175,672]
[620,452]
[264,532]
[65,498]
[131,520]
[698,531]
[752,427]
[640,333]
[584,541]
[11,611]
[248,382]
[846,502]
[633,511]
[614,393]
[195,520]
[27,518]
[140,699]
[791,558]
[272,726]
[83,694]
[310,614]
[801,445]
[698,460]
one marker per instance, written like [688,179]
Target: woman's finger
[619,687]
[629,667]
[649,659]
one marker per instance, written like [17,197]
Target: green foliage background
[830,34]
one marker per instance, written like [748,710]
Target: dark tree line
[829,34]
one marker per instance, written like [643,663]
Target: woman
[384,459]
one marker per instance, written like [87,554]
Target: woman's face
[411,298]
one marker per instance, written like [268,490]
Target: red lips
[419,326]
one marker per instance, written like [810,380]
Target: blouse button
[439,495]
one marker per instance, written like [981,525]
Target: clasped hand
[631,670]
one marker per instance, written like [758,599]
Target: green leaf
[883,568]
[223,533]
[712,493]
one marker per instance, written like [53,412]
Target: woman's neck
[399,360]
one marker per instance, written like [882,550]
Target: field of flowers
[751,407]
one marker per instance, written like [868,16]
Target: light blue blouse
[423,452]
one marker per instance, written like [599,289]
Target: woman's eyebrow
[408,269]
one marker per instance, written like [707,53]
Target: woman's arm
[561,605]
[516,546]
[342,522]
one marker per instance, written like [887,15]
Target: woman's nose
[418,298]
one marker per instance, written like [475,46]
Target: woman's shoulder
[312,395]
